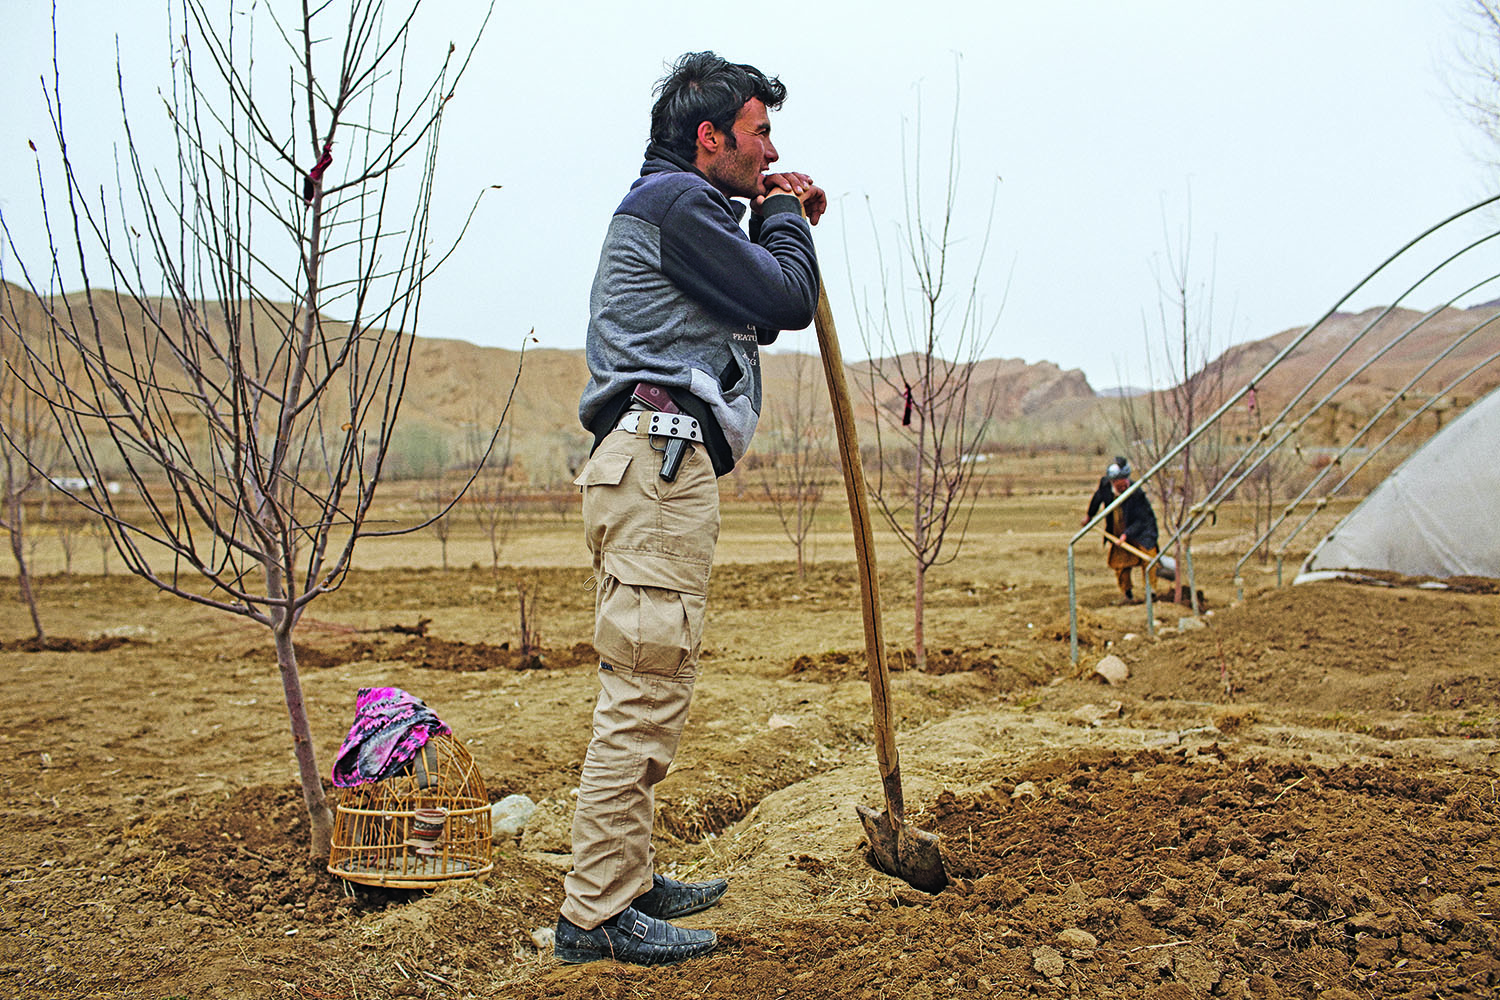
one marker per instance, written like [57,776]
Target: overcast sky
[1295,143]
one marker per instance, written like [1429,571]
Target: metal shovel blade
[904,851]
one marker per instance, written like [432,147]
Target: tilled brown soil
[1295,801]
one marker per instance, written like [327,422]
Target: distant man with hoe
[681,302]
[1130,526]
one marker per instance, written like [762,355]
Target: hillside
[458,383]
[457,391]
[1039,404]
[1399,350]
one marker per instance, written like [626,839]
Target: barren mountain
[1380,352]
[457,391]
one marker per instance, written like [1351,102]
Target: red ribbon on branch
[315,175]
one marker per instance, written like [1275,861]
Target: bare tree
[70,522]
[529,647]
[435,508]
[1155,422]
[99,532]
[1270,479]
[495,504]
[29,453]
[796,454]
[249,426]
[932,413]
[1477,87]
[562,496]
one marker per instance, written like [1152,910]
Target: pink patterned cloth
[390,728]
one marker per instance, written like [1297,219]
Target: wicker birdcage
[373,838]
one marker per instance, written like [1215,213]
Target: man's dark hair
[704,87]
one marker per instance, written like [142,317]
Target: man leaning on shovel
[681,302]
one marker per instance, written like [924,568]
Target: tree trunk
[318,813]
[319,816]
[919,542]
[1178,584]
[919,635]
[23,572]
[1265,546]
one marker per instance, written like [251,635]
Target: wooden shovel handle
[864,548]
[1122,543]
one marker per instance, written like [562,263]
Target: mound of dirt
[434,653]
[1339,648]
[62,644]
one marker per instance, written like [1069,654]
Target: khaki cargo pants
[652,543]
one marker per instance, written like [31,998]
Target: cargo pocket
[604,468]
[653,554]
[654,630]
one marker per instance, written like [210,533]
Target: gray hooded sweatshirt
[684,299]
